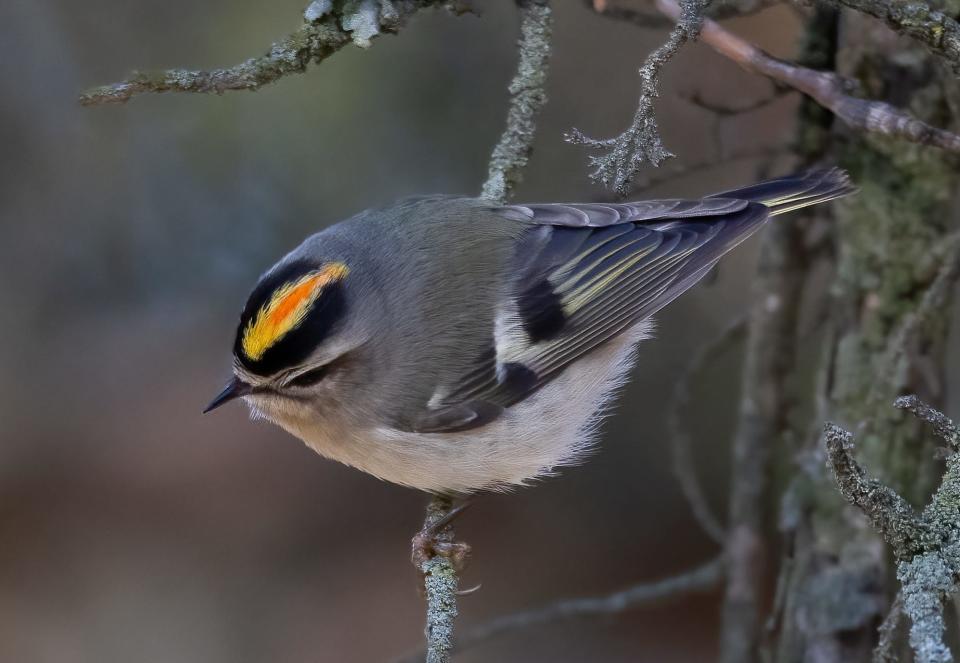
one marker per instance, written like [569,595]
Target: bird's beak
[234,389]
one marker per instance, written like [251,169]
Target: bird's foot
[436,540]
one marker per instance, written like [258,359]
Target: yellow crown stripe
[287,308]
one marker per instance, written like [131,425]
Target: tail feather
[786,194]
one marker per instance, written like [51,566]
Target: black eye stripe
[310,378]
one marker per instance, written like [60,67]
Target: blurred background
[132,528]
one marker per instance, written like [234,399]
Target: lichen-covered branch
[325,30]
[942,426]
[933,28]
[527,96]
[890,514]
[432,557]
[641,142]
[701,579]
[926,545]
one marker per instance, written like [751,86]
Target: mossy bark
[888,248]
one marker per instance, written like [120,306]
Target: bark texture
[888,248]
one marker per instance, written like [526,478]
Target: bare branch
[641,142]
[653,21]
[679,442]
[701,579]
[323,33]
[885,652]
[826,88]
[724,110]
[932,303]
[527,96]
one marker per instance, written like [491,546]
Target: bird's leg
[436,537]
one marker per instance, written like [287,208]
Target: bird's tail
[786,194]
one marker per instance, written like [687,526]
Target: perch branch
[826,88]
[641,142]
[324,32]
[440,580]
[926,545]
[527,96]
[510,156]
[701,579]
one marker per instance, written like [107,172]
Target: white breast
[554,427]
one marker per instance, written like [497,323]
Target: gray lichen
[323,32]
[527,97]
[317,10]
[641,142]
[926,545]
[361,18]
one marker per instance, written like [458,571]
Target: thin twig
[652,21]
[527,96]
[826,88]
[641,142]
[932,303]
[701,579]
[885,651]
[323,33]
[679,439]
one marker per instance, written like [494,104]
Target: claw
[432,541]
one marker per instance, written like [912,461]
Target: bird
[456,345]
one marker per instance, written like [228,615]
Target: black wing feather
[607,278]
[582,274]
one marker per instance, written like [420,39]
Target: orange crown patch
[287,308]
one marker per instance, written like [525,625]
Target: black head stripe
[297,344]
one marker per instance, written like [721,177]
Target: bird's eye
[309,378]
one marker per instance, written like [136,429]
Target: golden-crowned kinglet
[452,345]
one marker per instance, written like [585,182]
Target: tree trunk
[887,249]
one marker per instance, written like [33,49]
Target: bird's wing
[600,215]
[580,276]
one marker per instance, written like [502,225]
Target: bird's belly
[554,427]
